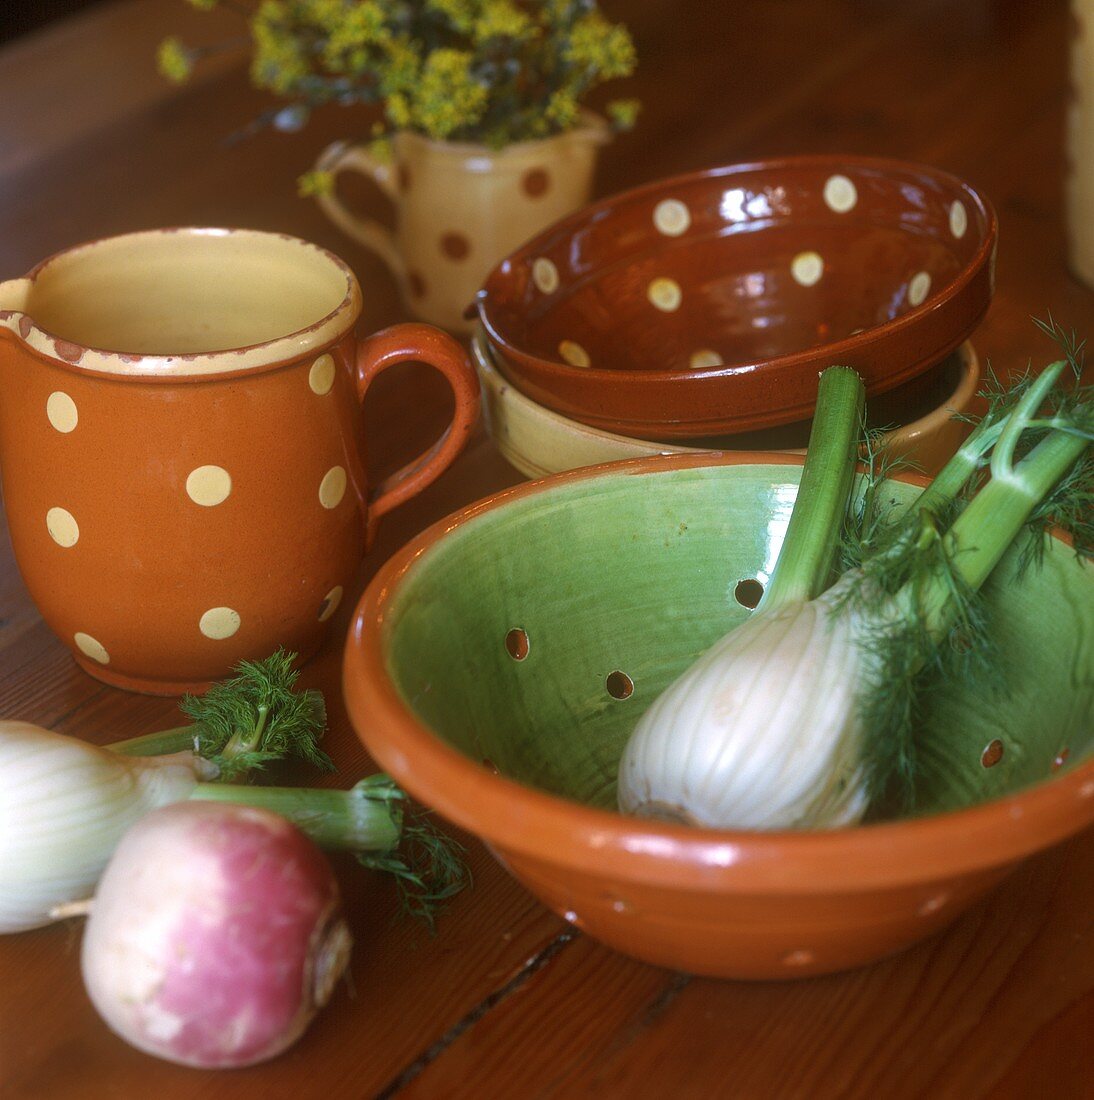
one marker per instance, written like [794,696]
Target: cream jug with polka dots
[461,208]
[182,451]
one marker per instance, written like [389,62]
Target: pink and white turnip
[215,935]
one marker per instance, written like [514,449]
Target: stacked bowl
[696,312]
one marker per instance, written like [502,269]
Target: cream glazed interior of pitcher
[174,301]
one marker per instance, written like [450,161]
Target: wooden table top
[506,1000]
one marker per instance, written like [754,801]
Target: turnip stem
[366,818]
[813,535]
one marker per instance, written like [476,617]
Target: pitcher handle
[344,156]
[424,344]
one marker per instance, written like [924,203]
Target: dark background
[18,17]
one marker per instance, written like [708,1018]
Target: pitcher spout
[14,298]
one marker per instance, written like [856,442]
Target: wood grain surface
[506,1000]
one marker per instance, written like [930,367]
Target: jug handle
[414,342]
[345,156]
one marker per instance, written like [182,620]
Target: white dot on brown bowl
[919,288]
[705,357]
[807,268]
[959,219]
[840,194]
[545,275]
[671,217]
[665,294]
[574,354]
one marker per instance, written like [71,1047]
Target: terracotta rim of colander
[519,819]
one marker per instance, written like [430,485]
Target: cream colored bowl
[538,441]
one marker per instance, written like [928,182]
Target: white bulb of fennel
[762,732]
[64,805]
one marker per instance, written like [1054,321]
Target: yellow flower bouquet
[492,72]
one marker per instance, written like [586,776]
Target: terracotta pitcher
[182,450]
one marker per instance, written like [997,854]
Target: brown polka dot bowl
[499,685]
[921,421]
[707,304]
[182,447]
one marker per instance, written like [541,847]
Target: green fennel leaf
[257,716]
[428,867]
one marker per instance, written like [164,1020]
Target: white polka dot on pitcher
[545,275]
[333,487]
[919,288]
[91,647]
[62,412]
[665,294]
[209,485]
[840,194]
[807,268]
[321,375]
[574,354]
[671,217]
[219,623]
[62,527]
[330,603]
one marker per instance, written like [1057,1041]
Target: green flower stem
[813,534]
[980,536]
[366,818]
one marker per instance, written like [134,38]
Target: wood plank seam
[532,967]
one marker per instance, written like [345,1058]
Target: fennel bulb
[789,675]
[804,716]
[64,805]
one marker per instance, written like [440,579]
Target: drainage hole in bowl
[516,643]
[619,685]
[992,754]
[748,592]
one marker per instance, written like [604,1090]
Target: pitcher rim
[195,366]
